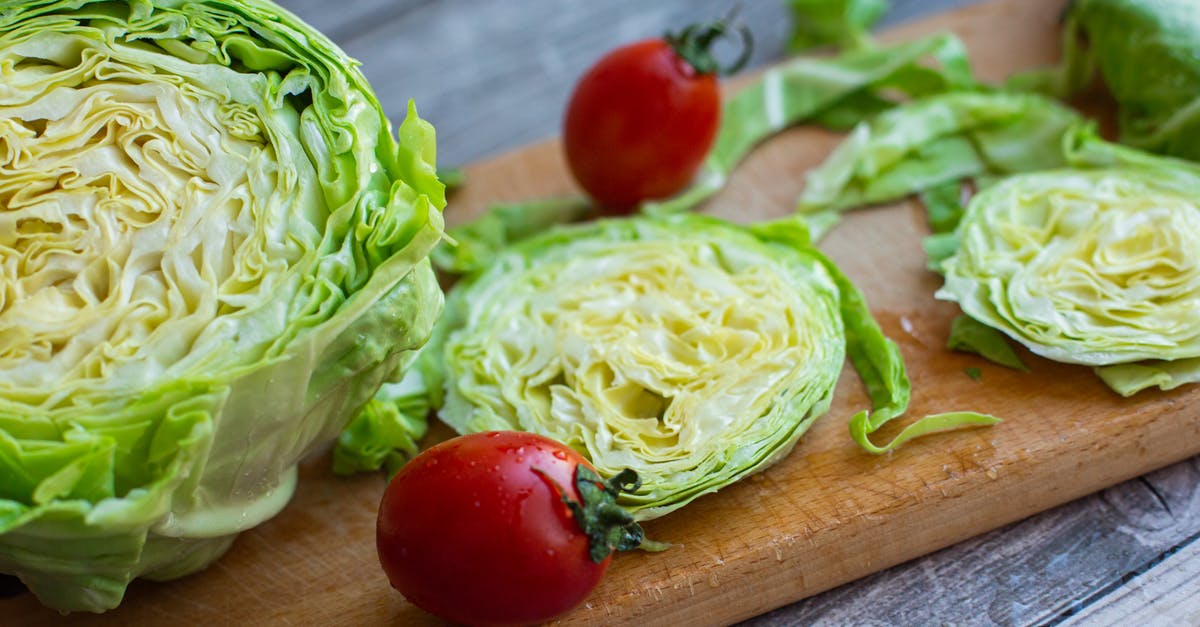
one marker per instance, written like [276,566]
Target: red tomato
[643,118]
[475,530]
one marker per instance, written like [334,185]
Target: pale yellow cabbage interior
[683,360]
[136,207]
[1087,267]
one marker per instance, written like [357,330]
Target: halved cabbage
[213,252]
[1096,265]
[689,349]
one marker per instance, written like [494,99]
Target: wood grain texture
[1066,564]
[828,514]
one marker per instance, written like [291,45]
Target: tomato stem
[693,44]
[608,526]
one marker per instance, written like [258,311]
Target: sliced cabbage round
[213,252]
[1096,266]
[689,349]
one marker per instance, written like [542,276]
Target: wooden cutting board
[827,514]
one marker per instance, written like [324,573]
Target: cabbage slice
[213,252]
[689,349]
[1098,264]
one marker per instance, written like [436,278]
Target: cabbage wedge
[214,251]
[692,350]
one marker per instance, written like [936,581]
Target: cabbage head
[214,251]
[689,349]
[1147,54]
[1096,264]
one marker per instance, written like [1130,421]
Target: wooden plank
[826,515]
[1171,587]
[1040,570]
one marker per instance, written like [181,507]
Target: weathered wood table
[493,76]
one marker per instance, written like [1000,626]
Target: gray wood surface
[493,75]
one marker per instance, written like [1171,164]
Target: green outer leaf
[1129,379]
[842,23]
[152,469]
[1148,54]
[838,91]
[969,335]
[938,141]
[881,368]
[943,206]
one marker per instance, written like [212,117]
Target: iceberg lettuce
[214,252]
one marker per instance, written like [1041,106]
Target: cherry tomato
[642,119]
[476,530]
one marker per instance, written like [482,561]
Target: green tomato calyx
[608,526]
[693,44]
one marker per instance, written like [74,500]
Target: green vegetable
[975,373]
[837,92]
[972,336]
[385,433]
[1097,264]
[1148,54]
[843,23]
[691,350]
[935,142]
[214,252]
[471,246]
[944,205]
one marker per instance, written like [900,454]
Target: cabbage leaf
[843,23]
[837,92]
[938,141]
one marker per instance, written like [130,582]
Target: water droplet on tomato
[560,454]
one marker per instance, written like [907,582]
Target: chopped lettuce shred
[837,92]
[938,142]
